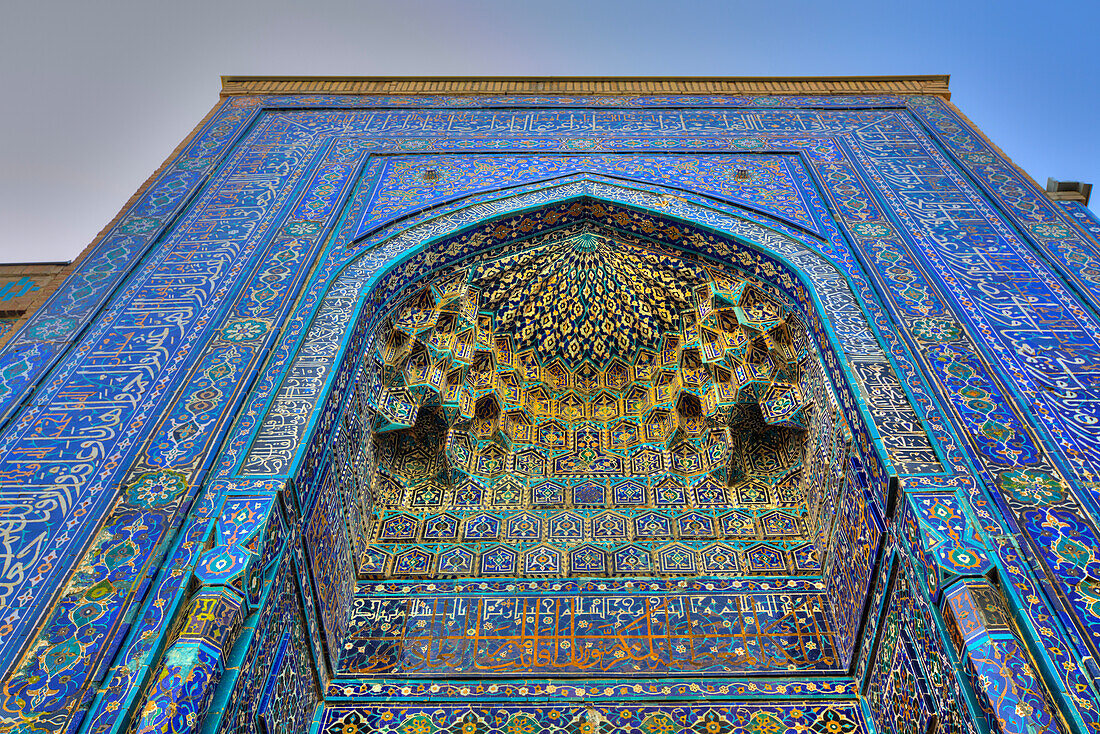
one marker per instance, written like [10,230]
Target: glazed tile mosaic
[591,449]
[599,632]
[583,719]
[670,413]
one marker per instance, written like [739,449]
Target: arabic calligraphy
[567,634]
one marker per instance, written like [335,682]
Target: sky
[100,93]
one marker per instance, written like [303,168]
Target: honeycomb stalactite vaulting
[584,406]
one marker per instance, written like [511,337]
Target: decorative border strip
[931,84]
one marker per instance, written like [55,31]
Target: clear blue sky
[99,93]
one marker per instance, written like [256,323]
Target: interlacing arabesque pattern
[159,375]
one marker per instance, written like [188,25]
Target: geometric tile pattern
[549,398]
[943,539]
[800,716]
[999,666]
[187,439]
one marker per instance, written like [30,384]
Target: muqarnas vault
[499,406]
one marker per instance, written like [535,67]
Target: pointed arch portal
[751,406]
[590,381]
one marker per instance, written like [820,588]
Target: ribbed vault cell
[584,406]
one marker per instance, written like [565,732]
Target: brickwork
[932,84]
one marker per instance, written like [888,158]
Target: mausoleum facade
[685,406]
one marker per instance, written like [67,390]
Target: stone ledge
[933,84]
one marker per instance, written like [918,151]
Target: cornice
[931,84]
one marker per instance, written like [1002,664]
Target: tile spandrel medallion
[580,406]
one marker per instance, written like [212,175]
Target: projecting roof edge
[931,84]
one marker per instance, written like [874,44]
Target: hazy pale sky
[99,93]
